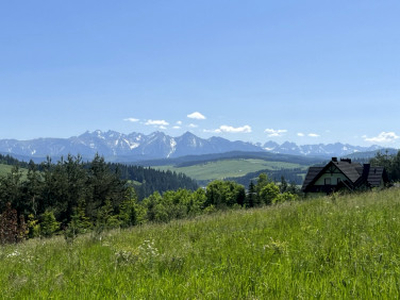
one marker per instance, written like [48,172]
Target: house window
[339,180]
[327,181]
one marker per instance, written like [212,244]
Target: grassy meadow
[337,247]
[5,169]
[226,168]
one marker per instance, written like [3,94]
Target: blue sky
[302,71]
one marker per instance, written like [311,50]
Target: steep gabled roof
[350,170]
[311,175]
[357,175]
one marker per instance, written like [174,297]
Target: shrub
[48,224]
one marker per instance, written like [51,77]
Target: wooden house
[343,174]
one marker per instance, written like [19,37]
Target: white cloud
[196,115]
[275,132]
[193,125]
[133,120]
[176,127]
[383,137]
[231,129]
[162,127]
[313,135]
[157,123]
[179,123]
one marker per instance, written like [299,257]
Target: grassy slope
[228,168]
[324,248]
[4,169]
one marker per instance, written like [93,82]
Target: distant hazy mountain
[136,147]
[337,149]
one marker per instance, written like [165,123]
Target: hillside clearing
[6,169]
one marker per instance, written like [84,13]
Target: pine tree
[262,181]
[48,224]
[251,195]
[284,185]
[127,214]
[33,189]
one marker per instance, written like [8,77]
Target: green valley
[220,169]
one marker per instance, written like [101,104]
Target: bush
[48,224]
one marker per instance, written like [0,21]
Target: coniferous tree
[79,223]
[49,188]
[284,185]
[48,224]
[33,189]
[105,184]
[128,209]
[12,189]
[262,181]
[251,195]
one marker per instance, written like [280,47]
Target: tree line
[150,180]
[73,197]
[294,176]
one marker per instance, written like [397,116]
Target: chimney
[334,159]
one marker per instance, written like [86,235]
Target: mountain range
[133,147]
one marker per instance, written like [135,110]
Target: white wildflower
[13,254]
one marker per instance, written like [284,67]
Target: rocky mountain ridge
[157,145]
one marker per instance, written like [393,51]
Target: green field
[327,248]
[5,169]
[228,168]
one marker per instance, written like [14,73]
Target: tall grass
[341,247]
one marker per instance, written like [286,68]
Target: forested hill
[191,160]
[145,180]
[11,161]
[149,180]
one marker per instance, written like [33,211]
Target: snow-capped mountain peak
[137,146]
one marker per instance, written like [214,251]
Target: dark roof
[375,176]
[350,170]
[358,175]
[311,174]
